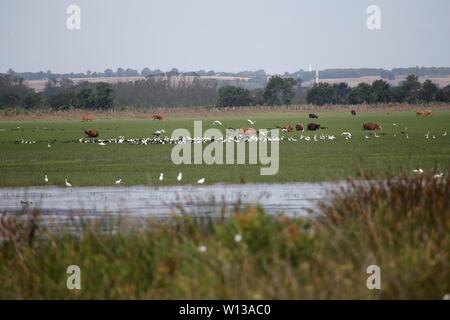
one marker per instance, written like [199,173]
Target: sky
[222,35]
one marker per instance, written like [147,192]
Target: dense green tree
[279,91]
[104,95]
[381,91]
[341,93]
[32,100]
[409,90]
[428,91]
[234,96]
[362,93]
[320,94]
[443,95]
[10,100]
[85,99]
[61,101]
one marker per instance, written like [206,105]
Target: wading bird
[217,122]
[419,171]
[119,181]
[67,183]
[251,122]
[46,178]
[439,175]
[161,176]
[201,181]
[180,176]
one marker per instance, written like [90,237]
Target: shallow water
[293,199]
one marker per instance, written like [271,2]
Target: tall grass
[401,224]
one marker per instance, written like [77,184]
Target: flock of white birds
[119,181]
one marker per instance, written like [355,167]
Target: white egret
[46,178]
[217,122]
[439,175]
[251,122]
[119,181]
[201,181]
[161,176]
[180,176]
[68,184]
[419,171]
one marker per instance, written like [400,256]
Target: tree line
[171,90]
[408,91]
[57,94]
[278,91]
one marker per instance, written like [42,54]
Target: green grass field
[90,164]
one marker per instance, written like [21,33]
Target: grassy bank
[403,226]
[25,164]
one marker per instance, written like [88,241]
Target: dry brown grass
[132,112]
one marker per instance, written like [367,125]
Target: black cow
[313,116]
[313,126]
[353,112]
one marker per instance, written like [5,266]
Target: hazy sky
[222,35]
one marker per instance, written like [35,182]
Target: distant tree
[257,97]
[362,93]
[85,99]
[320,94]
[409,89]
[32,100]
[10,100]
[381,91]
[109,73]
[279,91]
[428,91]
[341,93]
[146,72]
[443,95]
[61,101]
[104,95]
[234,96]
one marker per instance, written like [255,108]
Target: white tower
[317,75]
[310,67]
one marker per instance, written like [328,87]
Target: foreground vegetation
[402,225]
[24,164]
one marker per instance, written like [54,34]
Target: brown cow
[247,131]
[371,126]
[158,117]
[424,112]
[91,133]
[87,118]
[299,127]
[287,127]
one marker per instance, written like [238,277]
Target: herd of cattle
[287,127]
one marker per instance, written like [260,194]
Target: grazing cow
[313,116]
[424,112]
[371,126]
[91,133]
[313,126]
[158,117]
[353,112]
[87,118]
[287,127]
[299,127]
[247,131]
